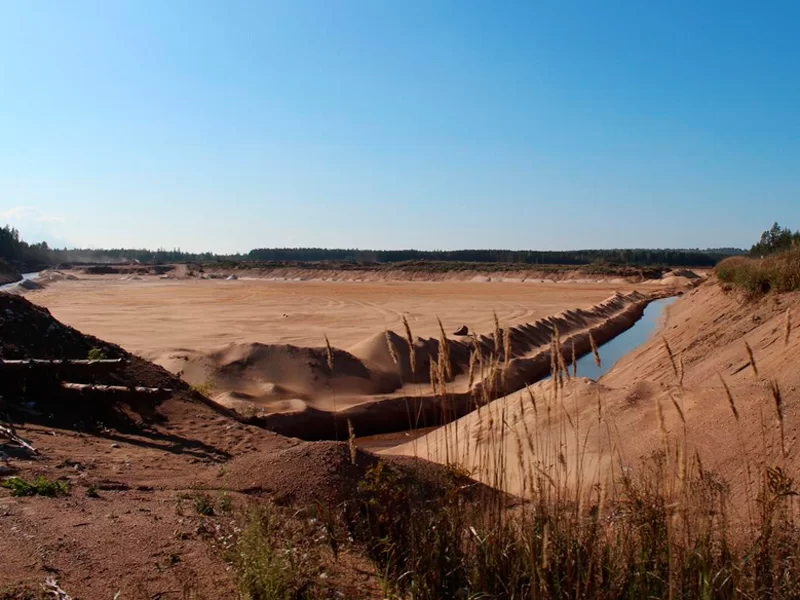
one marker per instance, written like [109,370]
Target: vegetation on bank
[778,272]
[774,264]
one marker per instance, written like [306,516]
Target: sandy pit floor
[256,344]
[150,317]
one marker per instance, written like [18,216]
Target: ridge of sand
[530,275]
[530,345]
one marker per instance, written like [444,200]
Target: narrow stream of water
[25,277]
[625,342]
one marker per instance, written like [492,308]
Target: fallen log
[113,389]
[46,363]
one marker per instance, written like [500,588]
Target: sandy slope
[617,418]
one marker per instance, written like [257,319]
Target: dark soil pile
[28,331]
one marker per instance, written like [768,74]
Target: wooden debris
[113,389]
[7,431]
[51,588]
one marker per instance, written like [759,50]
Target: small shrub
[225,503]
[204,504]
[38,486]
[91,491]
[97,354]
[265,560]
[205,388]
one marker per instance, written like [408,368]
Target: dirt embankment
[8,274]
[669,389]
[375,380]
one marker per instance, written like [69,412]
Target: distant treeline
[638,257]
[16,251]
[19,253]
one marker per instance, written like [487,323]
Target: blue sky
[426,124]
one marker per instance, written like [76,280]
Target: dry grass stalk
[412,354]
[595,352]
[446,365]
[329,352]
[432,373]
[787,327]
[496,332]
[533,399]
[392,349]
[751,358]
[574,361]
[351,441]
[506,347]
[778,399]
[731,403]
[473,360]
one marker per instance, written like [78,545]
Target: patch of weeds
[21,593]
[267,562]
[203,504]
[204,388]
[225,503]
[97,354]
[91,491]
[38,486]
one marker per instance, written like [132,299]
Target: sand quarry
[152,454]
[258,344]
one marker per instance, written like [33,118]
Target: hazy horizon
[441,125]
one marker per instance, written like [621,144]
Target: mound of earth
[8,274]
[267,372]
[28,331]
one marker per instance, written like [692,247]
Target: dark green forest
[776,239]
[14,250]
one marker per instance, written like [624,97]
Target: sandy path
[151,316]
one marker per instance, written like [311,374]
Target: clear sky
[421,123]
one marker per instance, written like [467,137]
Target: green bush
[38,486]
[97,354]
[266,561]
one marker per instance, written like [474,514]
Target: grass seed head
[787,327]
[751,358]
[595,353]
[329,352]
[412,353]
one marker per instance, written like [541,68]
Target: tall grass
[659,529]
[757,276]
